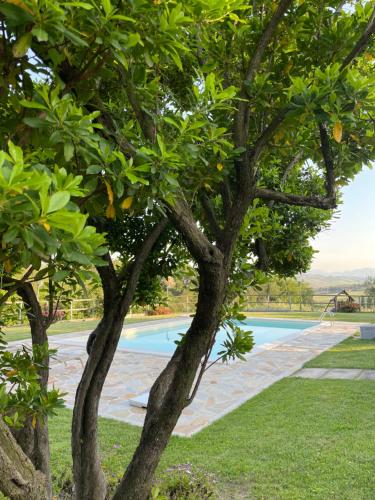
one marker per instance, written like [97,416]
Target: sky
[350,241]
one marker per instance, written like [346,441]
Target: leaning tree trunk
[19,480]
[89,480]
[170,392]
[35,441]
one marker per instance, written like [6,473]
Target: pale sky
[350,241]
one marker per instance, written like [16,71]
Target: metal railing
[76,309]
[293,302]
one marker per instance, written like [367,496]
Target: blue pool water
[160,339]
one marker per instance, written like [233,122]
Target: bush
[178,483]
[182,484]
[59,315]
[160,310]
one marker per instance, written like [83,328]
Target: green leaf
[15,152]
[60,275]
[120,17]
[133,39]
[15,16]
[94,169]
[34,122]
[58,201]
[40,34]
[161,146]
[10,235]
[68,150]
[22,45]
[171,180]
[177,60]
[74,37]
[72,222]
[83,5]
[134,178]
[106,6]
[169,120]
[32,104]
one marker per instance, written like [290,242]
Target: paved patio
[224,387]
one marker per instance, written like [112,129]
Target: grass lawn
[363,317]
[23,332]
[299,439]
[351,353]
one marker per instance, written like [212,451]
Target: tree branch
[325,203]
[15,285]
[145,122]
[226,196]
[108,278]
[266,135]
[210,215]
[241,121]
[266,38]
[141,257]
[242,118]
[296,158]
[328,161]
[361,43]
[199,246]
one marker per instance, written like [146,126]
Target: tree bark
[89,479]
[170,393]
[35,442]
[19,480]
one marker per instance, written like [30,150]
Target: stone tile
[310,373]
[343,373]
[367,375]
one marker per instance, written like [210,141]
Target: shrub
[182,484]
[60,314]
[159,310]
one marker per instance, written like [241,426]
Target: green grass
[351,353]
[363,317]
[299,439]
[23,332]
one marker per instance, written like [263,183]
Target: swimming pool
[159,339]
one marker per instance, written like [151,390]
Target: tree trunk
[35,442]
[170,392]
[89,479]
[18,478]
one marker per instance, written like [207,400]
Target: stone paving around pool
[224,387]
[336,373]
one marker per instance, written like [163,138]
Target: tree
[63,123]
[302,116]
[42,233]
[210,113]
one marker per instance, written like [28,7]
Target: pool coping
[228,385]
[182,320]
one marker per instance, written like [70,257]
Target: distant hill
[323,281]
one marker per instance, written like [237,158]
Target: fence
[91,308]
[77,309]
[308,303]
